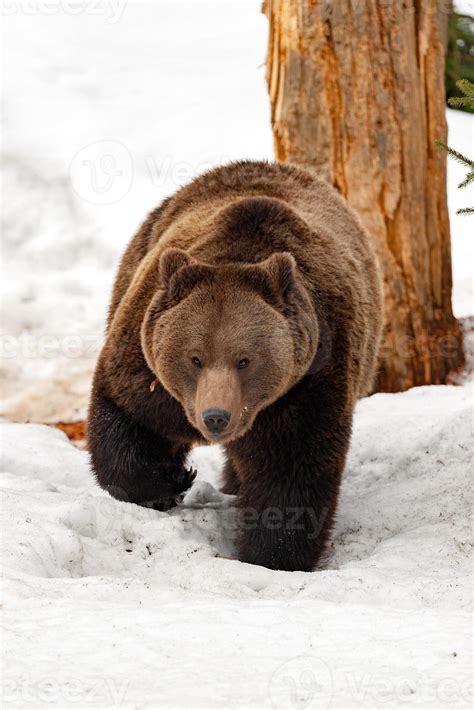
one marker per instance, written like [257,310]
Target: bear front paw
[163,504]
[183,479]
[180,481]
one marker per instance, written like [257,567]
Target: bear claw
[183,479]
[163,504]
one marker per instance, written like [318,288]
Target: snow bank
[112,605]
[122,117]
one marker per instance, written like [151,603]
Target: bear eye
[242,364]
[196,362]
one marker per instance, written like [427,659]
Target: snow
[112,605]
[465,6]
[110,598]
[122,117]
[461,138]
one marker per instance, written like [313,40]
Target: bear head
[228,340]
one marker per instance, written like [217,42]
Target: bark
[357,93]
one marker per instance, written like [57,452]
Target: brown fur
[253,290]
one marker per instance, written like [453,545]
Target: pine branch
[466,87]
[467,180]
[458,101]
[456,155]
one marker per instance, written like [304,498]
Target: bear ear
[280,268]
[170,262]
[180,273]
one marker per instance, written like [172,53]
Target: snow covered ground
[111,605]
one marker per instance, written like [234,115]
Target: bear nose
[216,420]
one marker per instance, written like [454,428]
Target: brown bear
[247,311]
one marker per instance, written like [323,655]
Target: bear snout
[216,420]
[217,402]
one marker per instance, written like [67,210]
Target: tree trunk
[357,93]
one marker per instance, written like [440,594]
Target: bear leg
[231,480]
[290,482]
[132,463]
